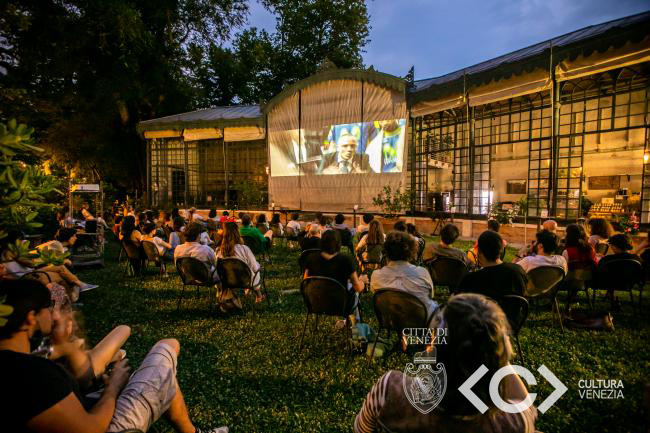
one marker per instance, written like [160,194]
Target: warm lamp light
[645,158]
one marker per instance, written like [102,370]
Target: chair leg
[559,314]
[304,329]
[374,345]
[178,305]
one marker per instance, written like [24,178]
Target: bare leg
[177,414]
[104,352]
[63,272]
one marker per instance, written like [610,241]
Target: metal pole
[148,148]
[186,169]
[225,166]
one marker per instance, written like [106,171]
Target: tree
[84,73]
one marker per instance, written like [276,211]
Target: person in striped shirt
[477,334]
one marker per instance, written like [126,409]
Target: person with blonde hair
[477,334]
[311,238]
[232,245]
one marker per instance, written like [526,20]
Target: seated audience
[363,227]
[47,399]
[578,253]
[294,225]
[117,224]
[318,217]
[65,239]
[193,248]
[400,274]
[194,216]
[311,238]
[400,226]
[530,250]
[545,248]
[276,226]
[164,248]
[163,218]
[448,236]
[494,226]
[233,246]
[600,230]
[620,247]
[413,231]
[141,220]
[130,232]
[225,217]
[339,223]
[550,226]
[248,230]
[330,263]
[495,279]
[370,246]
[477,335]
[261,223]
[176,237]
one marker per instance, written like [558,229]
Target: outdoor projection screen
[336,144]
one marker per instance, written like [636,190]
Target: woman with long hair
[601,230]
[261,223]
[578,252]
[371,241]
[130,232]
[232,245]
[476,337]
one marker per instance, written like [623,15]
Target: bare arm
[357,285]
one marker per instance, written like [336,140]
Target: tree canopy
[83,73]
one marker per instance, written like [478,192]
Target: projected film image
[370,147]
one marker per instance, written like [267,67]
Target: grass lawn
[246,372]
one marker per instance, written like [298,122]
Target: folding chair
[302,260]
[325,296]
[152,255]
[516,310]
[375,259]
[545,282]
[194,272]
[397,310]
[447,271]
[579,278]
[135,258]
[234,273]
[256,247]
[602,248]
[621,275]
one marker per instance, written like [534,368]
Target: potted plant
[393,202]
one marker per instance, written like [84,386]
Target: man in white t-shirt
[545,249]
[294,224]
[193,248]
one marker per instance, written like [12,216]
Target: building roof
[597,37]
[215,117]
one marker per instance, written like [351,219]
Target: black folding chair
[447,271]
[257,247]
[579,278]
[325,296]
[346,239]
[151,252]
[620,275]
[235,274]
[397,310]
[544,281]
[302,260]
[194,272]
[135,258]
[375,259]
[516,310]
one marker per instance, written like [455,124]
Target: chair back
[133,252]
[302,260]
[516,310]
[447,271]
[579,272]
[397,310]
[193,271]
[620,274]
[234,273]
[326,296]
[150,251]
[602,248]
[374,254]
[253,243]
[543,280]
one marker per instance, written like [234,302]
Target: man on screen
[346,159]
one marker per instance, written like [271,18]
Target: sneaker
[85,287]
[213,430]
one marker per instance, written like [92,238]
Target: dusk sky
[441,36]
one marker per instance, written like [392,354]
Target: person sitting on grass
[495,279]
[294,225]
[233,246]
[330,263]
[448,236]
[400,274]
[45,398]
[193,248]
[163,248]
[363,227]
[310,239]
[545,249]
[248,230]
[477,336]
